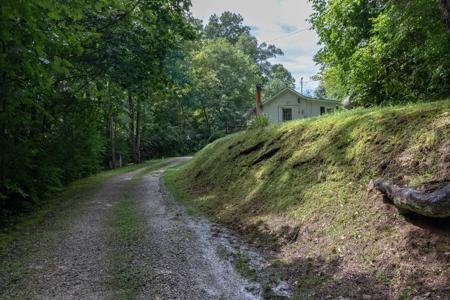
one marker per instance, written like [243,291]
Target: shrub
[258,122]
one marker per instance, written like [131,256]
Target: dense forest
[90,85]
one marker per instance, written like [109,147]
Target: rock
[282,290]
[347,103]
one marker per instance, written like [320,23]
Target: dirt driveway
[175,257]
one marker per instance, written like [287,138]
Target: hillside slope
[299,189]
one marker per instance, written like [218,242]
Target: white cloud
[274,21]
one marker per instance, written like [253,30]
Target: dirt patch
[251,149]
[235,144]
[304,161]
[266,155]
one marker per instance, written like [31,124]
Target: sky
[279,22]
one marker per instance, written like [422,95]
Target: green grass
[128,229]
[242,265]
[310,177]
[178,194]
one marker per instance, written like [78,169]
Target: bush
[258,122]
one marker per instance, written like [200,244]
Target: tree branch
[435,204]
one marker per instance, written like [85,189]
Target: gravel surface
[71,263]
[184,261]
[178,254]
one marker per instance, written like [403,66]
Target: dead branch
[435,204]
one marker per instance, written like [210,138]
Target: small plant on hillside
[258,122]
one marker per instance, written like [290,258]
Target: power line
[288,35]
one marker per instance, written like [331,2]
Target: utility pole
[301,85]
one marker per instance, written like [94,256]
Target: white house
[288,105]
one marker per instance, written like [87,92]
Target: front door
[286,114]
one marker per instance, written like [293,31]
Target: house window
[287,114]
[322,110]
[329,110]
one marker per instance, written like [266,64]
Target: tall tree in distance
[279,78]
[260,53]
[224,78]
[231,27]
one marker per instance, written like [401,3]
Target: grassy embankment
[299,189]
[18,239]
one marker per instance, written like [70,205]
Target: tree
[382,51]
[224,78]
[260,54]
[132,52]
[279,78]
[229,26]
[320,92]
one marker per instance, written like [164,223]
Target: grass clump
[180,195]
[300,189]
[128,230]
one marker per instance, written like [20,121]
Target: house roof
[299,95]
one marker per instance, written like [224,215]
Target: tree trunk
[132,113]
[435,204]
[445,6]
[3,137]
[137,139]
[205,114]
[112,140]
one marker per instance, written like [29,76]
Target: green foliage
[66,69]
[128,228]
[224,78]
[258,122]
[279,79]
[220,75]
[229,25]
[382,51]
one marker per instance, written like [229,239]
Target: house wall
[301,107]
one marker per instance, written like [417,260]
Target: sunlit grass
[318,179]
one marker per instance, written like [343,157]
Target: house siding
[301,107]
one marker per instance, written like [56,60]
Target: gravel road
[178,253]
